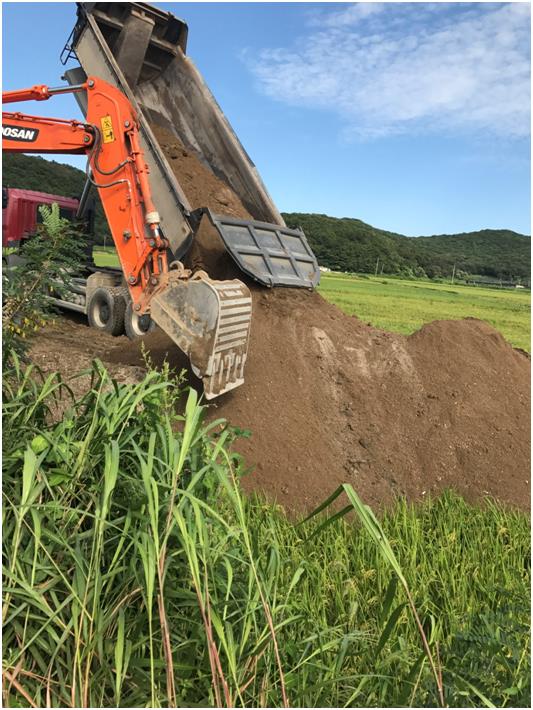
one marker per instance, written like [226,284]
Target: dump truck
[20,213]
[134,72]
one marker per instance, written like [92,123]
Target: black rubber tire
[137,326]
[106,309]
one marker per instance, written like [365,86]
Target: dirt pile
[330,399]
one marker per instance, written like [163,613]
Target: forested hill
[342,244]
[347,244]
[28,172]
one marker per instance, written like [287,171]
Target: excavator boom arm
[33,134]
[109,138]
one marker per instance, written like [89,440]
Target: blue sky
[412,117]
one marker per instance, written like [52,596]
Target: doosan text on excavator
[134,72]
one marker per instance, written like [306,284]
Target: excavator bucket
[209,321]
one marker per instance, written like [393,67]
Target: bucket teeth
[209,321]
[226,369]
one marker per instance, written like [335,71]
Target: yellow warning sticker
[108,135]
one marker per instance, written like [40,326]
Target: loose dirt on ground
[330,399]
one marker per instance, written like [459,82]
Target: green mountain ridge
[343,244]
[347,244]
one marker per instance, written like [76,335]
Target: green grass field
[105,256]
[404,306]
[137,573]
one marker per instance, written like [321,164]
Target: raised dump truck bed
[141,49]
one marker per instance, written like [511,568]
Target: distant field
[404,306]
[105,256]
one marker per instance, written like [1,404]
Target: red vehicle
[20,213]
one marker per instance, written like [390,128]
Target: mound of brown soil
[329,399]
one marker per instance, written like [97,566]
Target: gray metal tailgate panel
[270,253]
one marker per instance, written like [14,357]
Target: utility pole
[377,264]
[453,274]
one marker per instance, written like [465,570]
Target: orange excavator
[150,219]
[209,320]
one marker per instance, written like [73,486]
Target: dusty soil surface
[330,399]
[67,345]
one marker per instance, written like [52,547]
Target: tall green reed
[137,574]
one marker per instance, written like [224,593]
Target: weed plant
[137,574]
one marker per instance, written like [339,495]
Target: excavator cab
[141,50]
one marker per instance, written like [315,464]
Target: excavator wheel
[136,326]
[106,310]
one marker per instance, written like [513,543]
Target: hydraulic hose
[94,153]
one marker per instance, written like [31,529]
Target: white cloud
[352,14]
[387,68]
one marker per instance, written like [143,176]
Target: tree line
[341,244]
[346,244]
